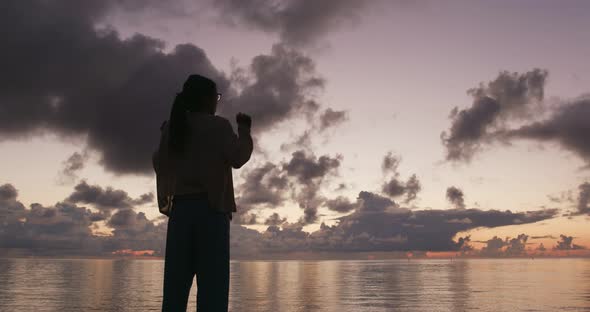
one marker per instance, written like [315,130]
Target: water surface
[346,286]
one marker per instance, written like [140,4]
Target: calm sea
[392,285]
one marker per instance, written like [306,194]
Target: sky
[379,126]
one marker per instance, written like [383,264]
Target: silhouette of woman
[201,149]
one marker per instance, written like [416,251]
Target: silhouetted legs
[213,264]
[197,242]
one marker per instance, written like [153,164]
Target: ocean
[40,284]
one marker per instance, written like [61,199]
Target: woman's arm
[238,148]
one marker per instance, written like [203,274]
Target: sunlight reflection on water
[391,285]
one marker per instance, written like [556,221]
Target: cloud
[516,246]
[280,85]
[493,247]
[394,187]
[567,126]
[563,197]
[55,230]
[145,198]
[64,74]
[382,220]
[566,243]
[371,202]
[584,198]
[390,163]
[307,168]
[71,166]
[331,118]
[263,186]
[66,229]
[455,197]
[310,172]
[275,220]
[379,224]
[299,178]
[317,128]
[106,199]
[376,224]
[12,210]
[133,230]
[496,247]
[511,107]
[542,237]
[8,192]
[68,77]
[340,204]
[285,17]
[509,97]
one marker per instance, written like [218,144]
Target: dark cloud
[511,96]
[296,22]
[584,198]
[566,243]
[434,229]
[330,118]
[390,163]
[340,204]
[263,186]
[413,187]
[464,244]
[516,246]
[55,230]
[310,172]
[514,98]
[280,86]
[567,126]
[496,247]
[11,209]
[493,247]
[275,220]
[132,230]
[106,198]
[376,224]
[395,187]
[307,168]
[543,237]
[8,192]
[65,75]
[371,202]
[300,142]
[144,199]
[455,197]
[66,229]
[71,166]
[300,179]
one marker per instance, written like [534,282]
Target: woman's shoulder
[208,118]
[208,121]
[220,120]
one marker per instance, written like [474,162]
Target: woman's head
[199,94]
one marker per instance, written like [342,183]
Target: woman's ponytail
[195,88]
[178,125]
